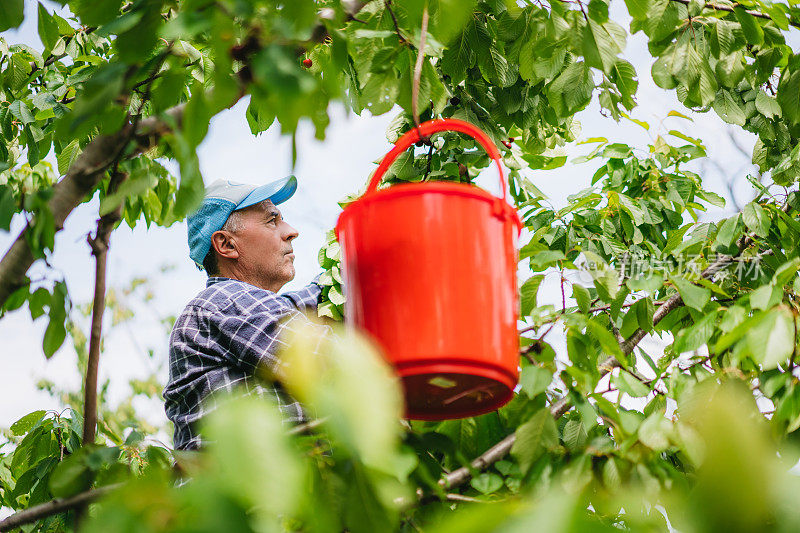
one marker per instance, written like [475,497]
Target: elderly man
[230,331]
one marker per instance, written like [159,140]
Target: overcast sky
[327,171]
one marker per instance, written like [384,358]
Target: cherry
[506,144]
[307,63]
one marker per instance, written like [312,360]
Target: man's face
[264,243]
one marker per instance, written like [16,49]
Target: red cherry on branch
[307,63]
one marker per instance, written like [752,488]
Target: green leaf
[726,233]
[756,219]
[788,89]
[723,37]
[11,14]
[631,386]
[487,482]
[765,297]
[786,272]
[729,109]
[608,342]
[663,18]
[403,168]
[94,13]
[624,77]
[730,69]
[196,115]
[528,293]
[534,380]
[56,331]
[495,68]
[644,310]
[692,295]
[70,477]
[342,376]
[752,30]
[695,336]
[582,297]
[617,151]
[252,457]
[24,424]
[638,9]
[54,337]
[136,184]
[8,207]
[259,115]
[545,258]
[449,18]
[48,29]
[335,296]
[534,437]
[67,156]
[767,105]
[602,43]
[21,112]
[571,91]
[655,432]
[137,43]
[574,434]
[772,341]
[167,90]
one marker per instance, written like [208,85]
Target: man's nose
[290,233]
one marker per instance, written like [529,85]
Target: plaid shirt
[223,336]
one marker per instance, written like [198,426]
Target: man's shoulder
[226,295]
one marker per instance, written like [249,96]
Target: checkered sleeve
[223,335]
[306,298]
[253,341]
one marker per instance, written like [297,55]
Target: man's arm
[305,299]
[253,341]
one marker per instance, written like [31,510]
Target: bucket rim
[436,187]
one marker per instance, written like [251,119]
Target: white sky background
[326,171]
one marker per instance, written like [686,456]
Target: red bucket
[430,274]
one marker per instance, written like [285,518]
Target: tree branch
[729,9]
[58,505]
[82,177]
[99,245]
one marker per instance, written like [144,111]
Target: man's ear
[224,244]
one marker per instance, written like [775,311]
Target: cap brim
[278,192]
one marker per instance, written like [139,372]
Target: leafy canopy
[602,437]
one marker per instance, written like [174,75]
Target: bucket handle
[434,126]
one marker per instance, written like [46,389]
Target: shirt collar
[215,279]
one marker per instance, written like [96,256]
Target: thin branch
[388,4]
[99,245]
[307,427]
[418,69]
[483,461]
[461,498]
[58,505]
[461,475]
[729,9]
[428,165]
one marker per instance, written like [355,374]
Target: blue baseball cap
[222,198]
